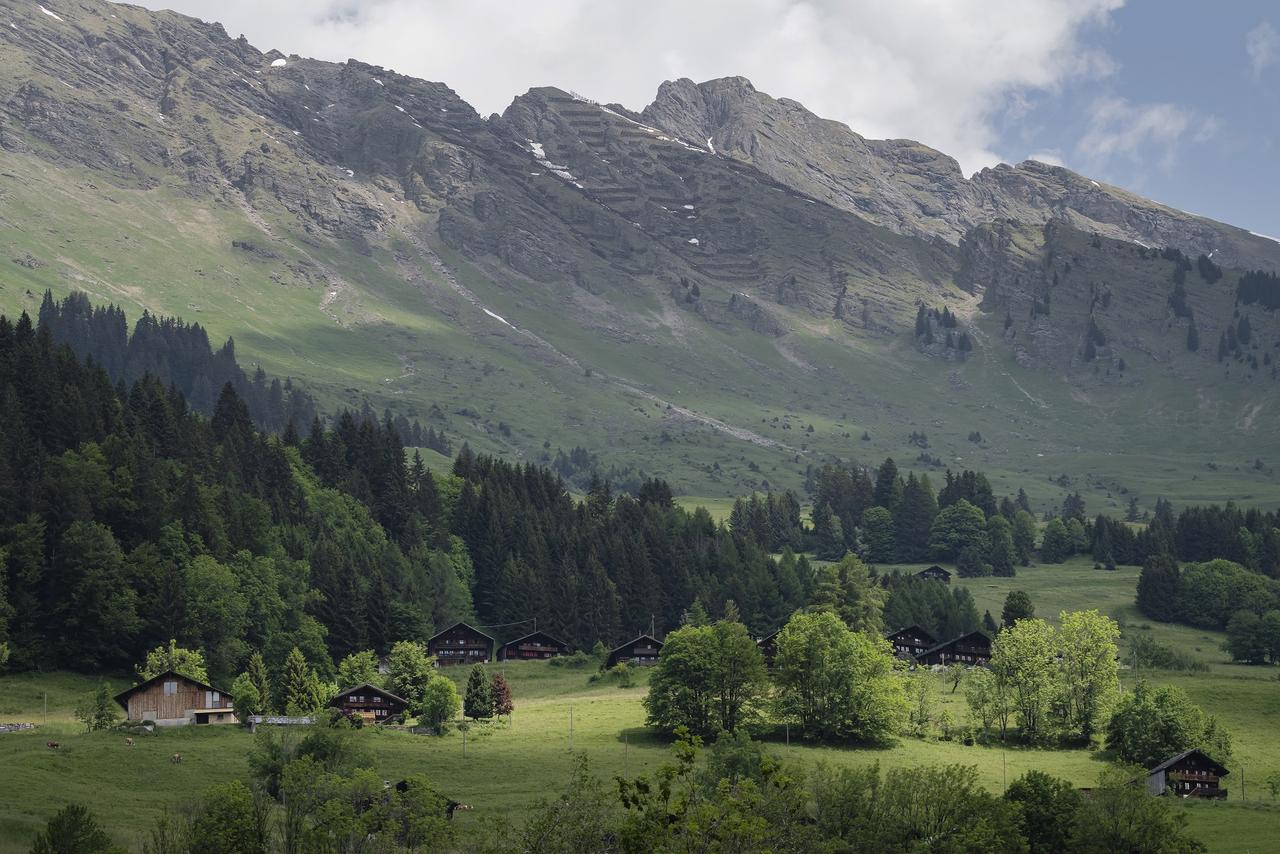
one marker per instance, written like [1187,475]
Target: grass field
[507,767]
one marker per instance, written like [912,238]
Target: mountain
[722,289]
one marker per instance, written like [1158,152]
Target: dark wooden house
[1190,774]
[768,646]
[369,702]
[911,642]
[461,644]
[643,650]
[973,649]
[172,699]
[533,646]
[935,573]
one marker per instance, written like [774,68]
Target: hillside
[719,290]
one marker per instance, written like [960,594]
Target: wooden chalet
[972,649]
[534,646]
[461,644]
[911,642]
[768,646]
[369,702]
[172,699]
[934,573]
[1190,774]
[643,651]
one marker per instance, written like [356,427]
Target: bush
[578,661]
[620,674]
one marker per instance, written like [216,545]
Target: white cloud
[1262,44]
[1053,158]
[934,70]
[1120,129]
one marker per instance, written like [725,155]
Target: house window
[170,689]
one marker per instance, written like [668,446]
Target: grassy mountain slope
[574,274]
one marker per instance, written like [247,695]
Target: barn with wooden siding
[934,573]
[461,644]
[172,699]
[533,646]
[1190,774]
[972,649]
[643,651]
[369,702]
[911,642]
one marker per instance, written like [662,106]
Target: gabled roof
[1174,760]
[913,629]
[937,647]
[634,641]
[123,697]
[932,568]
[368,688]
[544,635]
[769,636]
[457,626]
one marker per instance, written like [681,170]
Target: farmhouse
[643,651]
[369,702]
[911,641]
[461,644]
[533,646]
[1190,774]
[172,699]
[768,646]
[934,573]
[973,648]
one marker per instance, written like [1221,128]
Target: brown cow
[175,758]
[129,741]
[52,745]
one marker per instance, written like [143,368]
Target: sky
[1173,99]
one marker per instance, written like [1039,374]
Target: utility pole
[1004,769]
[464,739]
[571,728]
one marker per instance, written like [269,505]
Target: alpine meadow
[704,476]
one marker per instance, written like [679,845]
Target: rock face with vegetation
[718,289]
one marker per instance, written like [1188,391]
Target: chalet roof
[769,636]
[1174,760]
[457,626]
[914,628]
[542,635]
[937,647]
[366,688]
[635,641]
[934,568]
[123,697]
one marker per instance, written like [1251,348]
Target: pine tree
[257,673]
[1160,588]
[478,702]
[299,685]
[989,624]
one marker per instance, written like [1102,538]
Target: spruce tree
[478,703]
[256,670]
[1160,588]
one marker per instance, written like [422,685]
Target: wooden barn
[369,702]
[934,573]
[461,644]
[172,699]
[768,646]
[911,642]
[973,649]
[1190,774]
[536,645]
[643,651]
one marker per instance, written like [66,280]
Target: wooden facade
[172,699]
[643,651]
[935,573]
[768,646]
[1191,774]
[461,644]
[972,649]
[369,702]
[534,646]
[911,642]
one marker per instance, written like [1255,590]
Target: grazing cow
[129,741]
[175,758]
[52,745]
[454,806]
